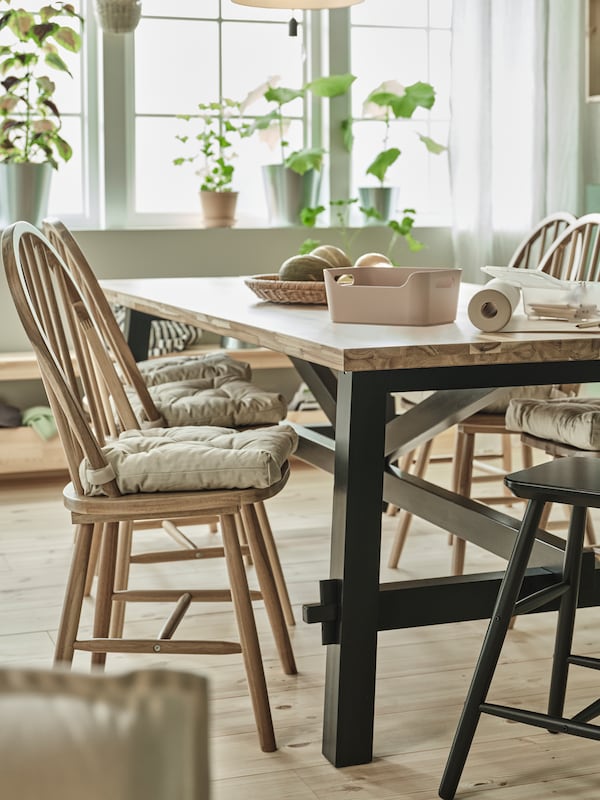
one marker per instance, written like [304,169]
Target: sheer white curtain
[515,136]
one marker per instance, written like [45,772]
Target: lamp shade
[298,4]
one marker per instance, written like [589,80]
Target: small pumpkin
[373,260]
[303,268]
[334,255]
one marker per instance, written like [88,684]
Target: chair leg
[268,590]
[242,537]
[106,585]
[273,554]
[459,445]
[121,578]
[244,615]
[566,613]
[74,594]
[463,478]
[490,652]
[93,563]
[405,517]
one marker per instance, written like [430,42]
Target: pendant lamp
[304,5]
[118,16]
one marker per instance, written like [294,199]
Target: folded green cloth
[41,419]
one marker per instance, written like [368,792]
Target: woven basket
[269,287]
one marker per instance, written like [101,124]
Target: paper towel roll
[492,307]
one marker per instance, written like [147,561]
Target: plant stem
[28,80]
[281,141]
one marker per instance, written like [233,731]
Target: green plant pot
[288,193]
[24,192]
[384,199]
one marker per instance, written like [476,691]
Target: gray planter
[24,192]
[382,198]
[288,193]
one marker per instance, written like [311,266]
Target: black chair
[574,482]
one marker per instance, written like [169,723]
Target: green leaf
[422,94]
[347,134]
[261,123]
[69,39]
[431,145]
[64,148]
[308,216]
[370,212]
[281,95]
[382,162]
[331,85]
[54,60]
[302,160]
[307,246]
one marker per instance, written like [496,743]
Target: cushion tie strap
[153,423]
[102,475]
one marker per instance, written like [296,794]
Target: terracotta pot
[218,208]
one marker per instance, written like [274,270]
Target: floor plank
[422,673]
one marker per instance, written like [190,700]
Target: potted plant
[30,139]
[293,182]
[391,100]
[213,145]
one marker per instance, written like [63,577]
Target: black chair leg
[490,652]
[566,614]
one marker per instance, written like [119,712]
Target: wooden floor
[422,673]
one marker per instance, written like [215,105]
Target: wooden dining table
[353,371]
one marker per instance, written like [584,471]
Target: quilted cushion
[500,404]
[192,458]
[575,422]
[213,401]
[184,368]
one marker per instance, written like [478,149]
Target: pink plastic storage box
[392,295]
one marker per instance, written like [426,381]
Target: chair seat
[186,368]
[574,422]
[574,481]
[190,459]
[221,401]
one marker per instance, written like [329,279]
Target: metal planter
[24,192]
[288,193]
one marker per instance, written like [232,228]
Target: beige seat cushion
[192,458]
[184,368]
[229,402]
[500,404]
[138,736]
[575,422]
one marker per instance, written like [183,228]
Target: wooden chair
[120,474]
[528,255]
[574,482]
[141,735]
[268,410]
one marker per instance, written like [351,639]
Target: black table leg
[355,555]
[138,333]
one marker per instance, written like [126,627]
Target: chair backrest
[66,245]
[142,735]
[575,255]
[531,250]
[57,319]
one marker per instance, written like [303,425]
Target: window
[412,43]
[120,111]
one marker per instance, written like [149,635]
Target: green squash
[335,255]
[303,268]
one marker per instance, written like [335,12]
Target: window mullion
[118,95]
